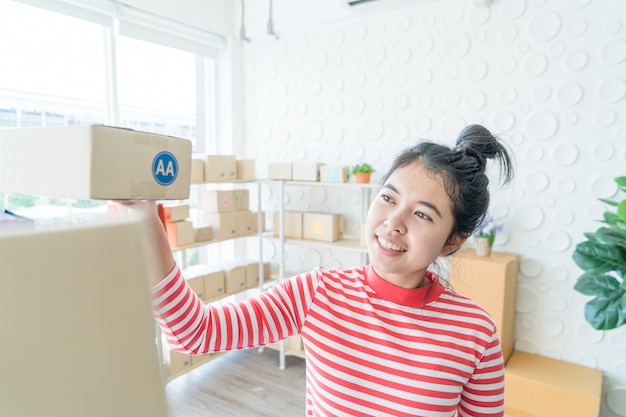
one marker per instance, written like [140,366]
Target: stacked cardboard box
[308,225]
[178,227]
[555,388]
[227,213]
[217,168]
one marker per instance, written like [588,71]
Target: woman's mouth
[385,244]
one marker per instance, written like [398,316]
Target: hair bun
[477,142]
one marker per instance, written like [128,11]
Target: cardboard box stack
[535,386]
[227,213]
[307,171]
[178,227]
[327,227]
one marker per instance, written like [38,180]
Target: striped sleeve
[483,395]
[191,326]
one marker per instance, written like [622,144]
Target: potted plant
[362,172]
[485,235]
[602,257]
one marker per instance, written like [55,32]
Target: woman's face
[408,225]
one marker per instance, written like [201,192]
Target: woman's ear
[453,244]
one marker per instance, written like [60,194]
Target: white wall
[547,76]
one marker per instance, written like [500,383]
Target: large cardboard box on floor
[94,162]
[491,281]
[537,386]
[322,226]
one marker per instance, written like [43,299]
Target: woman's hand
[158,248]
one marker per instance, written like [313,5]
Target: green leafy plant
[603,258]
[362,168]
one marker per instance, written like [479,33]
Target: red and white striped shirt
[372,348]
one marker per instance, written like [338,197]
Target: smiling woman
[384,339]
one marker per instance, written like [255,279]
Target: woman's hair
[462,169]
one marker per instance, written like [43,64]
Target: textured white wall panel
[549,77]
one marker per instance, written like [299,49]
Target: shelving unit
[350,245]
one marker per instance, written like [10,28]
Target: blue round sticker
[165,168]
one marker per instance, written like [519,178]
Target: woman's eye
[422,215]
[386,197]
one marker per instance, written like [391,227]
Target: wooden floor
[244,383]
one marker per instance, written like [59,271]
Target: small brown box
[322,226]
[202,233]
[175,212]
[197,285]
[214,283]
[179,233]
[223,225]
[197,169]
[292,222]
[279,170]
[217,201]
[247,222]
[242,199]
[177,362]
[234,277]
[246,169]
[305,171]
[252,274]
[538,386]
[490,281]
[220,168]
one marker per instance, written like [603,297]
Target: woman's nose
[395,224]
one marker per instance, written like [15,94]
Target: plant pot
[483,246]
[363,177]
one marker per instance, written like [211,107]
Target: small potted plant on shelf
[602,257]
[485,235]
[362,172]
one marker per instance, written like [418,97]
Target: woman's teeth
[385,244]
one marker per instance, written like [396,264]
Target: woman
[385,339]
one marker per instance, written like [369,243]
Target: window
[66,65]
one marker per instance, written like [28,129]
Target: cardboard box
[205,279]
[279,170]
[94,162]
[216,201]
[223,225]
[196,284]
[491,281]
[294,343]
[292,224]
[200,359]
[334,173]
[220,168]
[175,212]
[202,233]
[177,362]
[179,233]
[197,168]
[214,283]
[322,226]
[242,199]
[305,171]
[538,386]
[247,222]
[234,277]
[246,169]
